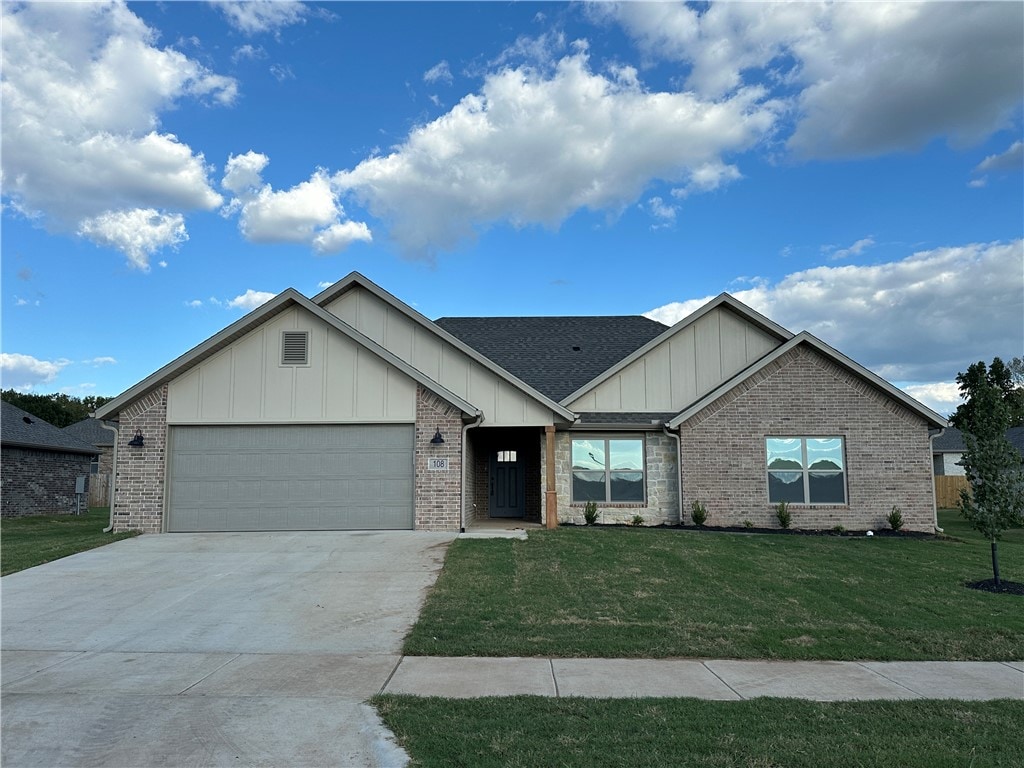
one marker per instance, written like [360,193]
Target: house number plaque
[438,464]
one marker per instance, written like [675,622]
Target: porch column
[550,495]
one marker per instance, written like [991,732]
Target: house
[93,432]
[351,410]
[40,465]
[949,447]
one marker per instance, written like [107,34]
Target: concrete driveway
[210,649]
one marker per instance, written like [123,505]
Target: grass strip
[29,541]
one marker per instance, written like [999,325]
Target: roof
[21,429]
[952,440]
[639,418]
[91,431]
[554,355]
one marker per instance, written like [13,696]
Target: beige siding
[501,403]
[245,383]
[690,363]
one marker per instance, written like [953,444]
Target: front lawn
[660,593]
[29,541]
[531,731]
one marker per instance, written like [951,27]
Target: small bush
[895,518]
[748,523]
[590,512]
[785,516]
[839,529]
[699,513]
[637,521]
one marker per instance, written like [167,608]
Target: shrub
[637,521]
[590,512]
[748,523]
[782,512]
[840,529]
[699,513]
[895,518]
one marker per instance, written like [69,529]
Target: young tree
[1008,379]
[995,500]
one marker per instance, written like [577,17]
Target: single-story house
[93,432]
[40,465]
[351,410]
[949,447]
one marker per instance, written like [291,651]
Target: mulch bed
[775,531]
[1005,587]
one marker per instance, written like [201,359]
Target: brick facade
[36,482]
[139,482]
[803,394]
[438,493]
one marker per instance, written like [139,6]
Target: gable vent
[295,348]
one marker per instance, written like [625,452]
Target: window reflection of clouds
[626,454]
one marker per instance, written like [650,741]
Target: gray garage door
[273,478]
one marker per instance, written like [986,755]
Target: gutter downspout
[113,473]
[462,485]
[935,501]
[679,467]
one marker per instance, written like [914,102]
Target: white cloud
[137,233]
[23,372]
[921,319]
[251,299]
[1010,160]
[532,148]
[248,52]
[83,87]
[308,213]
[440,72]
[854,250]
[98,361]
[941,396]
[865,78]
[255,16]
[978,183]
[281,72]
[194,303]
[707,178]
[663,213]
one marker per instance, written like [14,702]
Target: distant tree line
[59,409]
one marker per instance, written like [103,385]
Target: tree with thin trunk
[995,499]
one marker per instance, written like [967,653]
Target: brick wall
[139,482]
[888,454]
[438,493]
[38,482]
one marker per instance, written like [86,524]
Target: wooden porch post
[550,496]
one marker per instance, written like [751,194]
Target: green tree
[995,499]
[59,409]
[1008,379]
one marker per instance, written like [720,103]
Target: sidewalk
[725,679]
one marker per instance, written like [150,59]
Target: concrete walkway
[722,680]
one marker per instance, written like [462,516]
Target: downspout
[113,473]
[935,501]
[679,467]
[462,485]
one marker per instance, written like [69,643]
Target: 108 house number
[437,464]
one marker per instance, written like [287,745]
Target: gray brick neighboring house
[949,447]
[351,410]
[39,466]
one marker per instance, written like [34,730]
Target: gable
[691,360]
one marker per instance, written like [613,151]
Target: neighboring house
[93,432]
[949,447]
[351,410]
[40,465]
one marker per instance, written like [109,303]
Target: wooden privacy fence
[947,490]
[99,490]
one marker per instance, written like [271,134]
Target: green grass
[29,541]
[656,593]
[536,731]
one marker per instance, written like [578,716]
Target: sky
[849,169]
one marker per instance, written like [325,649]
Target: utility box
[80,484]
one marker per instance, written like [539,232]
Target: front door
[507,485]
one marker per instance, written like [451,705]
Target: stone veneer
[139,482]
[803,394]
[660,481]
[438,493]
[37,482]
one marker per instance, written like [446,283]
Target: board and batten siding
[501,402]
[246,383]
[688,364]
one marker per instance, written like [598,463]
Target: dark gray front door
[507,485]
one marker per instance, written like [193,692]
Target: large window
[608,469]
[806,470]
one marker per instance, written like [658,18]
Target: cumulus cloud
[854,250]
[137,233]
[534,147]
[941,396]
[83,87]
[253,17]
[863,78]
[98,361]
[23,372]
[440,72]
[309,213]
[921,319]
[1010,160]
[251,299]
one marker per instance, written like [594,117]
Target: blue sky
[854,170]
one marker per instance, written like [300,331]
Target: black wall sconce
[137,440]
[437,439]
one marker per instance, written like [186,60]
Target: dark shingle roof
[615,417]
[91,431]
[20,428]
[952,440]
[554,355]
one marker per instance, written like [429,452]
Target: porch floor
[499,528]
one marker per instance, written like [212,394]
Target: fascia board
[722,299]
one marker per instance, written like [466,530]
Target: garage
[290,477]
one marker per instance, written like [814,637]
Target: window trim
[605,438]
[283,362]
[805,470]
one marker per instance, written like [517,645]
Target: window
[94,465]
[508,457]
[608,469]
[294,347]
[806,470]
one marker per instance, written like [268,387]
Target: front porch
[504,482]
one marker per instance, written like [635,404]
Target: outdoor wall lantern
[137,440]
[437,439]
